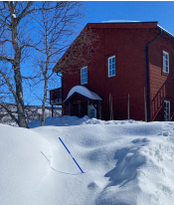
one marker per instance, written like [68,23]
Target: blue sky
[161,11]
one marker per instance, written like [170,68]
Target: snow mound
[124,162]
[23,168]
[60,121]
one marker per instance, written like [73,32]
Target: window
[165,62]
[111,66]
[166,110]
[84,75]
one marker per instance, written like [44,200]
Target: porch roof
[84,92]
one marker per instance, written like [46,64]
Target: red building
[129,74]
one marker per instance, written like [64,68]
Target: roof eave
[165,31]
[79,94]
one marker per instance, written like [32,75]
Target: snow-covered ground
[124,163]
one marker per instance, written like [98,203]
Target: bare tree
[79,53]
[56,29]
[15,40]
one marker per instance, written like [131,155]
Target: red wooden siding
[127,42]
[161,84]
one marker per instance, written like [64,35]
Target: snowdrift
[125,162]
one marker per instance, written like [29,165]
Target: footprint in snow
[164,133]
[92,185]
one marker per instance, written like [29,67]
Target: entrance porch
[81,101]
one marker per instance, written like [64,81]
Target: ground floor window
[166,110]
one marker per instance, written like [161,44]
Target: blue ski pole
[71,155]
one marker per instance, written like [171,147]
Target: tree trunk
[45,72]
[19,101]
[43,104]
[18,79]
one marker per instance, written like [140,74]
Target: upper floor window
[165,62]
[84,75]
[111,66]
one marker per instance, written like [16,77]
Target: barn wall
[128,45]
[161,84]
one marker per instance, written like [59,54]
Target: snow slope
[125,163]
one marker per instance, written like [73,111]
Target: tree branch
[5,23]
[24,13]
[3,42]
[3,58]
[32,78]
[10,113]
[31,46]
[10,86]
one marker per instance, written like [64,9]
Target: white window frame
[84,75]
[165,62]
[110,66]
[167,113]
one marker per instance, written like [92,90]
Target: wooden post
[62,110]
[111,107]
[79,108]
[99,110]
[128,108]
[52,110]
[62,94]
[88,108]
[69,107]
[145,108]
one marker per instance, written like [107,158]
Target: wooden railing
[56,96]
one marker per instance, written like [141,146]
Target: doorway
[92,112]
[167,110]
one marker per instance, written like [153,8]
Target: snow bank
[61,121]
[125,162]
[24,171]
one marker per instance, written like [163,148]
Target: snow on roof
[120,21]
[84,92]
[128,21]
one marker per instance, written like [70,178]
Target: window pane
[111,66]
[113,72]
[165,62]
[113,60]
[84,75]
